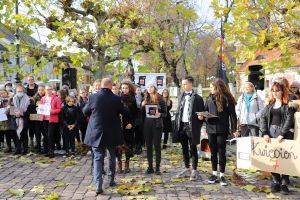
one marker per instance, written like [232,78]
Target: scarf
[21,105]
[247,98]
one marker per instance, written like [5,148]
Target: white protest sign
[157,79]
[44,109]
[243,152]
[3,116]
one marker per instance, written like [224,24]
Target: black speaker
[256,77]
[69,77]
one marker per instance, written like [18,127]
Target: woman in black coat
[220,103]
[128,99]
[167,119]
[83,121]
[276,121]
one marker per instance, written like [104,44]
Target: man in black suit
[189,125]
[104,130]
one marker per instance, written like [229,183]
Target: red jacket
[55,108]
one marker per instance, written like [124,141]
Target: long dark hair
[222,94]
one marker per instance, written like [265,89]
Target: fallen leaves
[179,180]
[59,184]
[24,159]
[38,189]
[69,162]
[273,196]
[16,192]
[44,162]
[255,188]
[133,188]
[52,196]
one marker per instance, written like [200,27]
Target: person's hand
[200,117]
[129,126]
[236,134]
[157,114]
[280,138]
[267,138]
[69,127]
[17,113]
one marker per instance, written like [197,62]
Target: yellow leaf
[272,196]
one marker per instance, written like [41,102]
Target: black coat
[221,124]
[70,116]
[287,121]
[167,120]
[104,127]
[195,124]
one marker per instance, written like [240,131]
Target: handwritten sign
[282,158]
[3,116]
[44,109]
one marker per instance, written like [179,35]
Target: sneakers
[223,181]
[284,190]
[194,175]
[212,179]
[184,173]
[275,187]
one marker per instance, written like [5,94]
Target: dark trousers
[139,136]
[166,137]
[31,129]
[45,136]
[82,129]
[280,178]
[57,137]
[12,135]
[39,129]
[24,139]
[217,145]
[153,137]
[188,149]
[249,130]
[53,130]
[2,136]
[69,139]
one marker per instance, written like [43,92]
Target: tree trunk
[174,75]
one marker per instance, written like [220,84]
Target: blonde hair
[250,85]
[69,98]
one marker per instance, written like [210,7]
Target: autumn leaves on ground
[36,177]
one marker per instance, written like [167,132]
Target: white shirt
[185,112]
[48,101]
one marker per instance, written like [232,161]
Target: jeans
[249,130]
[98,162]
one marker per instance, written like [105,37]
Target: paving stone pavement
[72,179]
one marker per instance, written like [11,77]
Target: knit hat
[295,84]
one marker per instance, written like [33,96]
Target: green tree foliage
[256,25]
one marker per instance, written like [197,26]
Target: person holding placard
[155,110]
[38,124]
[51,105]
[8,127]
[188,127]
[220,103]
[276,122]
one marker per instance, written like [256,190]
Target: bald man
[104,130]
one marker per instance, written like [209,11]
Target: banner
[282,158]
[157,79]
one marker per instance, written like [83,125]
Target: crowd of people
[121,119]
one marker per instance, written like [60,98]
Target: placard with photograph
[151,111]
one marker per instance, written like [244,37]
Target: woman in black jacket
[220,103]
[167,119]
[276,122]
[128,99]
[153,125]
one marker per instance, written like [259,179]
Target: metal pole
[18,41]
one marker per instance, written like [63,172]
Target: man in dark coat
[188,126]
[104,130]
